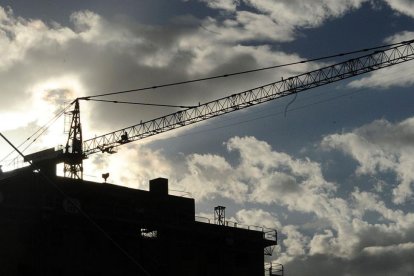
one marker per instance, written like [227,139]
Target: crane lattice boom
[326,75]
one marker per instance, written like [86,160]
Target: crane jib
[319,77]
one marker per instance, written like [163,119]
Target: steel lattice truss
[326,75]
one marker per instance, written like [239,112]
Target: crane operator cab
[124,138]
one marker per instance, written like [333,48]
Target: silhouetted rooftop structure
[61,226]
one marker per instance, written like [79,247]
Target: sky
[334,174]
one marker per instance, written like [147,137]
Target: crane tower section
[73,155]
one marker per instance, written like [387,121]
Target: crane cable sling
[246,72]
[291,102]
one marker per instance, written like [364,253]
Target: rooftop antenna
[105,176]
[220,215]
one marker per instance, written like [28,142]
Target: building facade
[58,226]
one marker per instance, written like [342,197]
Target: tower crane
[77,149]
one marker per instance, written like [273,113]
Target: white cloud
[295,242]
[304,13]
[228,5]
[366,201]
[402,6]
[147,164]
[99,55]
[48,64]
[106,55]
[275,20]
[19,35]
[337,229]
[381,147]
[279,21]
[399,37]
[210,176]
[322,243]
[398,248]
[258,217]
[389,237]
[262,175]
[398,75]
[253,26]
[266,177]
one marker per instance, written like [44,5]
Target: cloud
[262,175]
[304,13]
[295,242]
[393,260]
[265,176]
[20,38]
[103,55]
[402,6]
[281,21]
[50,63]
[228,5]
[19,35]
[374,244]
[336,226]
[258,217]
[335,230]
[274,20]
[399,75]
[382,250]
[147,164]
[211,176]
[381,147]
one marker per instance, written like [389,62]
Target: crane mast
[106,143]
[73,155]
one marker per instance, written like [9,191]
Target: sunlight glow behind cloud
[325,222]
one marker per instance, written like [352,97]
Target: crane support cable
[45,127]
[136,103]
[38,132]
[248,71]
[323,76]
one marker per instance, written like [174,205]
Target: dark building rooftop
[60,226]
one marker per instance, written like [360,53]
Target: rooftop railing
[268,233]
[274,269]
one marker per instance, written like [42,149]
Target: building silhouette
[52,225]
